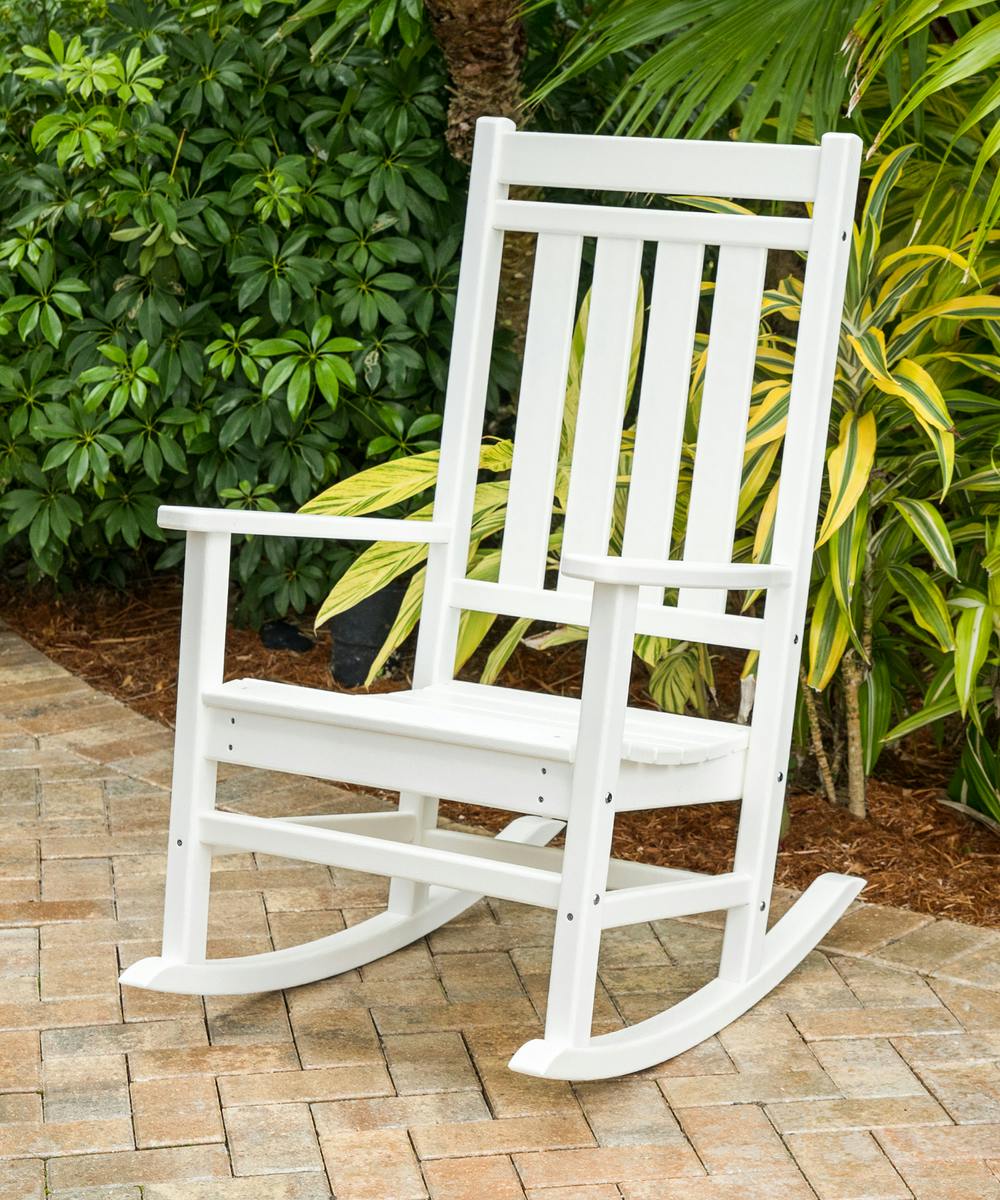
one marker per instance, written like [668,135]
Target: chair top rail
[667,166]
[653,225]
[302,525]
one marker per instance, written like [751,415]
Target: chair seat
[496,718]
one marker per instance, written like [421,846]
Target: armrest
[304,525]
[737,577]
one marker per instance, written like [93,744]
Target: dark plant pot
[359,632]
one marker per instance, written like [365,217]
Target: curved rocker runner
[565,765]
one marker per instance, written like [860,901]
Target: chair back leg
[407,896]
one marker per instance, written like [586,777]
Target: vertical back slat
[540,409]
[725,407]
[603,385]
[666,377]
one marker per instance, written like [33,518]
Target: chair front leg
[203,641]
[579,922]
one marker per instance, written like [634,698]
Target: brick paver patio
[872,1072]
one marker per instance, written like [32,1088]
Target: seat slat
[725,407]
[540,409]
[497,718]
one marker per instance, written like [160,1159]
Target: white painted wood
[794,534]
[653,225]
[663,400]
[661,165]
[705,1011]
[725,407]
[565,762]
[677,898]
[337,848]
[540,408]
[535,725]
[604,698]
[597,439]
[192,792]
[686,574]
[304,525]
[465,402]
[564,607]
[338,952]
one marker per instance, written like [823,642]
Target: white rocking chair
[569,764]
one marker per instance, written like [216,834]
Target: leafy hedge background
[228,275]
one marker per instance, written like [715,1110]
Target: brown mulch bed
[913,852]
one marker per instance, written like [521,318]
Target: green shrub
[226,276]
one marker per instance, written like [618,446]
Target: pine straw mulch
[914,853]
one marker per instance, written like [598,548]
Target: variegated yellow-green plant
[906,566]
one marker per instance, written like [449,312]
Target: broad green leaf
[848,546]
[875,703]
[828,637]
[672,681]
[915,387]
[403,625]
[927,523]
[849,467]
[930,714]
[502,651]
[927,604]
[972,640]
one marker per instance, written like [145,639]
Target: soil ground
[914,852]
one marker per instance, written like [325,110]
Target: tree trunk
[816,739]
[857,802]
[483,44]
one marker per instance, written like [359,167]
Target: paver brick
[848,1166]
[429,1062]
[257,1187]
[174,1164]
[179,1110]
[473,1179]
[309,1086]
[865,1113]
[734,1139]
[606,1164]
[271,1139]
[502,1135]
[373,1164]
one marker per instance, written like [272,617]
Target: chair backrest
[824,177]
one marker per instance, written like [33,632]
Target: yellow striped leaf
[847,554]
[849,467]
[918,391]
[768,418]
[870,348]
[972,641]
[828,636]
[926,602]
[928,524]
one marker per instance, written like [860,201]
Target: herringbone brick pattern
[871,1073]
